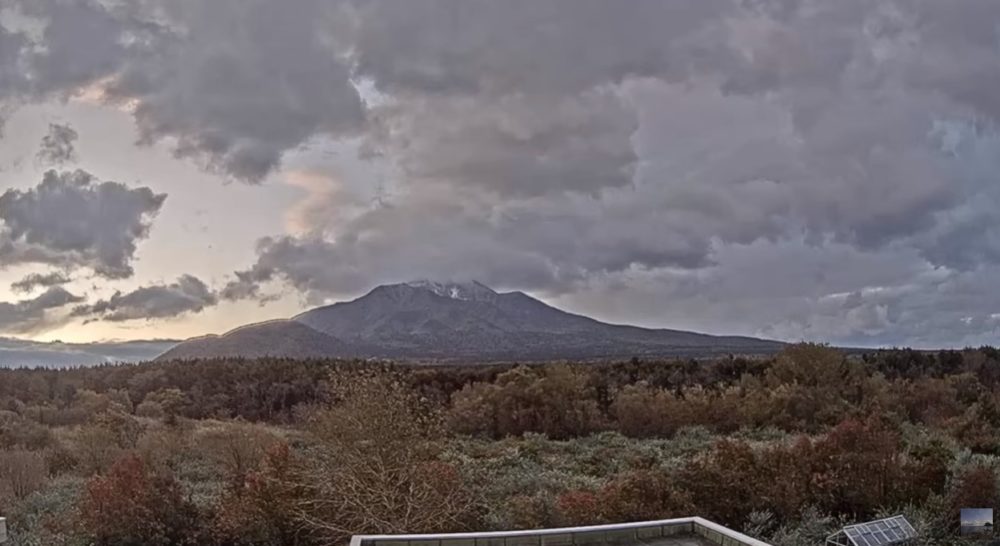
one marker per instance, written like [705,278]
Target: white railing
[3,530]
[618,533]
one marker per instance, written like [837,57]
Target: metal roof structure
[667,532]
[893,530]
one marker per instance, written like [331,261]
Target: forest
[275,452]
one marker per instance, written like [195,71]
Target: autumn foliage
[305,453]
[133,504]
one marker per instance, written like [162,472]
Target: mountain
[427,320]
[16,353]
[285,338]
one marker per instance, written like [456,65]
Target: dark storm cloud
[57,147]
[39,280]
[187,295]
[71,219]
[34,315]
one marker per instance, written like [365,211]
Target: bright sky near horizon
[794,169]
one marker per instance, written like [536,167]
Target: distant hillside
[469,321]
[285,338]
[16,353]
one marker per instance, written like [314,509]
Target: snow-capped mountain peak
[468,291]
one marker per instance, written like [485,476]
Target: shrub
[96,448]
[133,505]
[150,409]
[642,411]
[579,508]
[17,432]
[263,511]
[21,473]
[379,444]
[556,400]
[237,448]
[643,495]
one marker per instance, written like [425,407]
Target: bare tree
[376,466]
[238,448]
[21,473]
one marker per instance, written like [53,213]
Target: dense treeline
[806,388]
[273,451]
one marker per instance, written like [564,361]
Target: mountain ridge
[18,353]
[430,320]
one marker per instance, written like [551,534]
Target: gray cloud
[34,315]
[522,244]
[36,280]
[247,284]
[239,83]
[797,291]
[233,84]
[57,147]
[538,151]
[586,147]
[12,80]
[71,219]
[187,295]
[514,146]
[553,47]
[81,41]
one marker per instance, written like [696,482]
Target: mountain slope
[449,320]
[284,338]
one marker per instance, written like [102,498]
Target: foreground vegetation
[282,452]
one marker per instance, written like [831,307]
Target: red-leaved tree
[133,505]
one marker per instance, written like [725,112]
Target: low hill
[284,338]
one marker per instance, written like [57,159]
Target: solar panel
[880,532]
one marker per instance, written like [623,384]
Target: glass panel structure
[881,532]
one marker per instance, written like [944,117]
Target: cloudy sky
[796,169]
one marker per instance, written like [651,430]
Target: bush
[644,495]
[579,508]
[150,409]
[556,400]
[380,443]
[133,505]
[96,448]
[46,517]
[263,511]
[642,411]
[237,449]
[21,473]
[17,432]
